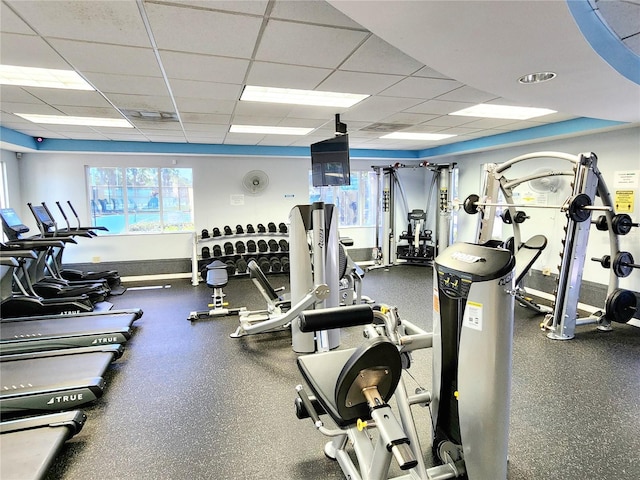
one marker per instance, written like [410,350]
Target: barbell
[622,263]
[579,206]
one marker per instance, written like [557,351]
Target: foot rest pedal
[301,411]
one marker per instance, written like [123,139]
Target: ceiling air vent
[385,127]
[143,115]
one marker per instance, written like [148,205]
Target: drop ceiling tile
[116,131]
[165,138]
[467,94]
[302,122]
[448,121]
[119,137]
[421,87]
[438,107]
[192,66]
[408,118]
[257,120]
[377,56]
[203,31]
[205,139]
[373,109]
[56,96]
[205,129]
[622,17]
[314,46]
[11,23]
[15,94]
[142,102]
[358,82]
[113,59]
[127,84]
[429,72]
[488,123]
[35,108]
[201,105]
[81,111]
[276,140]
[205,118]
[205,90]
[312,11]
[254,7]
[29,51]
[242,139]
[262,109]
[102,21]
[166,128]
[267,74]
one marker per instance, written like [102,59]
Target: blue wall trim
[105,146]
[527,134]
[17,138]
[604,41]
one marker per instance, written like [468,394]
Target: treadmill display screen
[10,217]
[42,215]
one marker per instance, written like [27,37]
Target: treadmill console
[11,224]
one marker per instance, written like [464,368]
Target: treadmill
[54,380]
[30,445]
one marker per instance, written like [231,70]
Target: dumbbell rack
[198,262]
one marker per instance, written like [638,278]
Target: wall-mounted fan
[545,184]
[255,181]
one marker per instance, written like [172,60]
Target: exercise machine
[587,183]
[217,277]
[444,178]
[30,445]
[472,351]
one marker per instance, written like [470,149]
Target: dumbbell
[272,227]
[227,230]
[273,245]
[282,227]
[250,228]
[284,245]
[285,264]
[520,217]
[622,263]
[261,228]
[262,246]
[206,252]
[217,251]
[239,230]
[276,265]
[204,233]
[228,248]
[241,265]
[240,248]
[231,267]
[215,232]
[264,264]
[251,246]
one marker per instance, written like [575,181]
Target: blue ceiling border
[568,127]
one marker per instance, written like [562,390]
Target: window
[141,200]
[356,203]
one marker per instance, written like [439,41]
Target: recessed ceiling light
[537,77]
[488,110]
[42,77]
[267,130]
[416,136]
[84,121]
[300,97]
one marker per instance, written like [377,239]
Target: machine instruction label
[473,316]
[624,200]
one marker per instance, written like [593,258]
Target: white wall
[617,150]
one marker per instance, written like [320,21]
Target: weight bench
[525,257]
[353,387]
[217,278]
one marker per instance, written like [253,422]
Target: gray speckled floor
[188,402]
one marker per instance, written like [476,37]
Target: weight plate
[621,305]
[506,217]
[601,223]
[622,264]
[470,204]
[621,224]
[577,212]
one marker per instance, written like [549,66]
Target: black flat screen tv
[330,162]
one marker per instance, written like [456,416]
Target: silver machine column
[472,352]
[444,227]
[314,258]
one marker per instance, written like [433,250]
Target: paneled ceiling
[192,58]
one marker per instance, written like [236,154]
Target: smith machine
[422,244]
[587,183]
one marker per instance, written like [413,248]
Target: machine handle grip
[335,317]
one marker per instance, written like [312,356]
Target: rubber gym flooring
[188,402]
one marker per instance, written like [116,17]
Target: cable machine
[423,244]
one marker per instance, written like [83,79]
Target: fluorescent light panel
[42,77]
[487,110]
[416,136]
[67,120]
[267,130]
[300,97]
